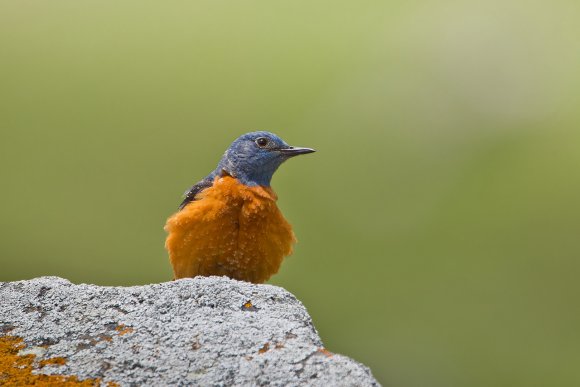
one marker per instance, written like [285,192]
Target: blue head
[254,157]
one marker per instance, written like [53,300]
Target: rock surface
[203,331]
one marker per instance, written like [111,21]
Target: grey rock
[198,331]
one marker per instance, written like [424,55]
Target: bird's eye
[262,142]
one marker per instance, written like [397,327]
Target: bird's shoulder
[190,194]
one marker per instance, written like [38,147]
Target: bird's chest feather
[231,229]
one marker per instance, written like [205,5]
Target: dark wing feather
[193,191]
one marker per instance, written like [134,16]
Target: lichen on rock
[17,369]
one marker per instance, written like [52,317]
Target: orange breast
[231,230]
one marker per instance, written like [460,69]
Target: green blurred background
[438,223]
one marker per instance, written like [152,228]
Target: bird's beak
[295,151]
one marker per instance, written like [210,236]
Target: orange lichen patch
[16,370]
[231,229]
[52,361]
[249,307]
[123,330]
[264,349]
[325,352]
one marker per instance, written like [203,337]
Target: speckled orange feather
[231,229]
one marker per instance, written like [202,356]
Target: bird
[228,224]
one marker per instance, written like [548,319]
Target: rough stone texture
[200,331]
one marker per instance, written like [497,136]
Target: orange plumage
[230,229]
